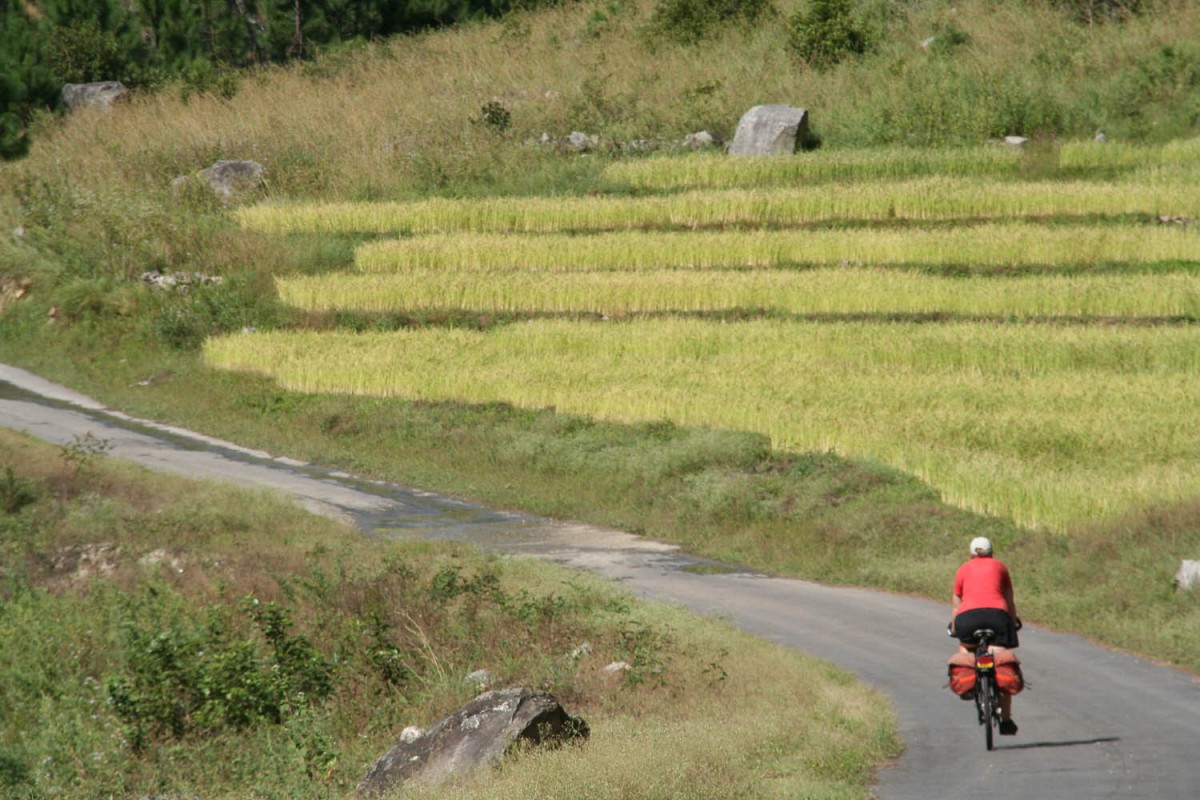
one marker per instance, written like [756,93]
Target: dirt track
[1094,724]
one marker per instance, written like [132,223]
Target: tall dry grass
[404,116]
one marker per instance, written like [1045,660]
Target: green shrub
[827,32]
[179,677]
[1165,78]
[81,52]
[201,77]
[13,771]
[691,21]
[15,492]
[602,20]
[494,115]
[184,318]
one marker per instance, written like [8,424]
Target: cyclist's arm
[1010,602]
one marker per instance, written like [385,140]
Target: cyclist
[983,598]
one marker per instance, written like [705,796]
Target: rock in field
[474,737]
[770,130]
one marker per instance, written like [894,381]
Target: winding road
[1094,723]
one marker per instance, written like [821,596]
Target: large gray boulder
[474,737]
[226,179]
[770,130]
[93,95]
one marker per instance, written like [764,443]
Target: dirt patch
[162,559]
[72,567]
[12,290]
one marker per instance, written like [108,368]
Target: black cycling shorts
[966,623]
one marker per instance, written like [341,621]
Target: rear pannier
[961,670]
[1008,671]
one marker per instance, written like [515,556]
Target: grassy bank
[185,638]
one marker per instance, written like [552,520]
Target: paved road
[1094,724]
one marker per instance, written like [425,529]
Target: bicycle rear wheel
[987,708]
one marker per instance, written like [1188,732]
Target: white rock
[1188,576]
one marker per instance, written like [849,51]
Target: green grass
[111,576]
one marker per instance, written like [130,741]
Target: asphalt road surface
[1093,724]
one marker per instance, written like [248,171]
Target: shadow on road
[1075,743]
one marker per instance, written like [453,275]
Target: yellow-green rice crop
[821,291]
[916,200]
[986,246]
[1050,425]
[714,171]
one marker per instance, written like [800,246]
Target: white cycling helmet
[981,546]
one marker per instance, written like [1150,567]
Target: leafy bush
[1166,78]
[179,678]
[826,33]
[12,771]
[184,319]
[201,77]
[495,116]
[81,52]
[15,492]
[691,21]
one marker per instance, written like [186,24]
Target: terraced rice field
[1042,422]
[1029,348]
[984,249]
[919,200]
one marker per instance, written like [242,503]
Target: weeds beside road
[194,638]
